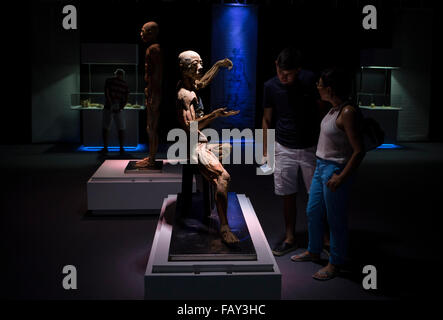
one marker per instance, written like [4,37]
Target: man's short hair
[119,72]
[289,59]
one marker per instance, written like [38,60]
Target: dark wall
[411,84]
[329,33]
[436,112]
[16,55]
[55,59]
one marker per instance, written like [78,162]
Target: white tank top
[333,143]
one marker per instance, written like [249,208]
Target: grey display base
[164,279]
[110,189]
[195,239]
[131,168]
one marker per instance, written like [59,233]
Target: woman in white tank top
[339,153]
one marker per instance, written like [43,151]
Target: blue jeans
[334,204]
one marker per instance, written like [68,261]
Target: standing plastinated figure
[190,109]
[153,79]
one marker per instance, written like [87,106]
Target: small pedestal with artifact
[118,188]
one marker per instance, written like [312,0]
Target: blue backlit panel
[234,36]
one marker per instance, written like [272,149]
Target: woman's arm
[349,121]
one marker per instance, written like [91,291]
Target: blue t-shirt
[297,118]
[118,92]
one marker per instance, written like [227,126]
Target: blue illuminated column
[234,36]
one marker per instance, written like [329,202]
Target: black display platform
[194,240]
[131,168]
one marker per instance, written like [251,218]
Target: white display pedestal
[110,189]
[258,279]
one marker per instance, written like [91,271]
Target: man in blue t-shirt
[116,97]
[291,100]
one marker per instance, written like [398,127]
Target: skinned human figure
[153,78]
[190,110]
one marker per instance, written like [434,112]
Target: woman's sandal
[305,256]
[324,275]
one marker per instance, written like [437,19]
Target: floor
[393,225]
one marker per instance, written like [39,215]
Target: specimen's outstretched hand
[210,74]
[226,63]
[230,113]
[222,112]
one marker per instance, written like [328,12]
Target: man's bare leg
[105,134]
[290,213]
[121,140]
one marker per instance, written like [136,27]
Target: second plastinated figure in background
[153,90]
[191,112]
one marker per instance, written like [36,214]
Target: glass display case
[374,87]
[374,78]
[377,65]
[99,61]
[374,99]
[96,100]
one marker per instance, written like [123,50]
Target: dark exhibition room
[208,150]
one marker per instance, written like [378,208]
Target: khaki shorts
[119,119]
[288,164]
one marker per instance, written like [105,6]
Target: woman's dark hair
[339,81]
[289,59]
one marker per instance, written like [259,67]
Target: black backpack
[372,134]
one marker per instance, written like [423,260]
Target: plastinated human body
[190,109]
[153,79]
